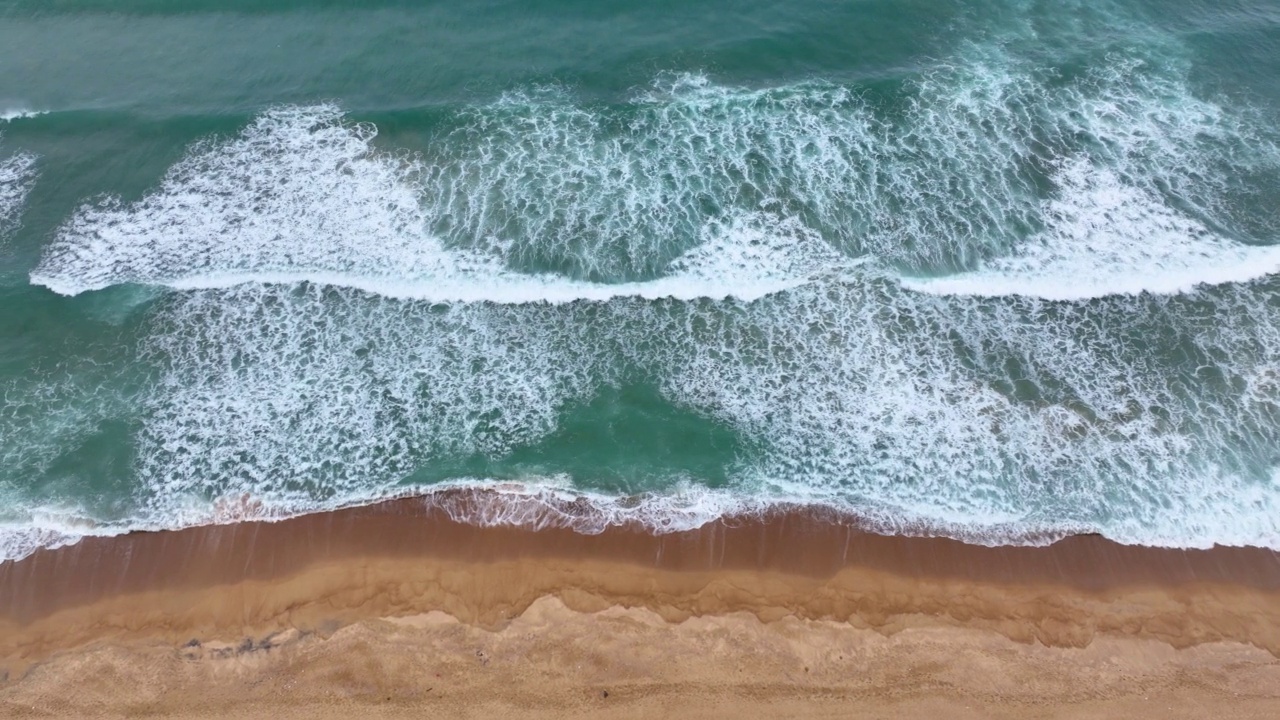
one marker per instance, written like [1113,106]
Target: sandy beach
[881,359]
[395,608]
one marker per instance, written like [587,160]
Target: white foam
[536,503]
[1104,237]
[746,260]
[18,540]
[673,194]
[47,527]
[853,394]
[302,196]
[553,502]
[1146,204]
[297,190]
[299,395]
[19,114]
[545,503]
[17,173]
[988,418]
[880,400]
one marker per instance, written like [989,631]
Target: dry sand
[395,610]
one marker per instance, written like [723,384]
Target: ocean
[997,270]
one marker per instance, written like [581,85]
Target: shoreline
[238,593]
[818,550]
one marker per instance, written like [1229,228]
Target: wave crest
[17,174]
[981,177]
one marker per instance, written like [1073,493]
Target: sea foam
[12,114]
[17,174]
[1104,237]
[987,181]
[960,312]
[988,419]
[301,195]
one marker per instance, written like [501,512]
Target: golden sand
[395,610]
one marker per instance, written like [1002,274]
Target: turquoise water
[997,270]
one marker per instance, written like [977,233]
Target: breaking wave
[986,179]
[17,173]
[985,420]
[995,301]
[19,114]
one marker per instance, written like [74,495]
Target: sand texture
[394,610]
[553,662]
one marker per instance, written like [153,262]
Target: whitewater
[999,303]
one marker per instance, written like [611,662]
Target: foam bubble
[48,526]
[746,259]
[616,192]
[18,540]
[57,407]
[297,190]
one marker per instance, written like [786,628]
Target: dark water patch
[625,440]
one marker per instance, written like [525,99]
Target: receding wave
[974,417]
[538,504]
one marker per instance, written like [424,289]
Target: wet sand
[395,608]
